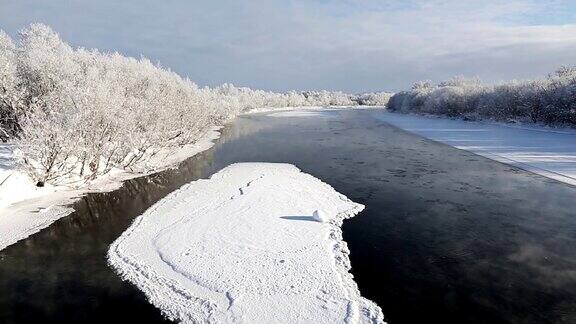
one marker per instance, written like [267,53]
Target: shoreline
[27,217]
[547,152]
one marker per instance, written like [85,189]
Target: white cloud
[351,45]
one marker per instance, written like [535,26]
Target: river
[446,235]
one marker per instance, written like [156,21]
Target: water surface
[446,235]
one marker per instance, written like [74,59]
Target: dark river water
[446,236]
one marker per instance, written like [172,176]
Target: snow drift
[243,246]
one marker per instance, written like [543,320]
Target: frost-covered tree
[76,114]
[550,100]
[10,93]
[373,99]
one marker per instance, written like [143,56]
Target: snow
[303,113]
[26,209]
[545,151]
[322,216]
[243,246]
[282,109]
[15,227]
[15,185]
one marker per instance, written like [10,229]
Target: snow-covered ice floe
[244,246]
[545,151]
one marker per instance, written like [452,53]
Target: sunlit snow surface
[546,151]
[243,246]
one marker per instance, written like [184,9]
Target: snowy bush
[373,99]
[550,100]
[76,114]
[326,98]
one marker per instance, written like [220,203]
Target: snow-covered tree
[10,93]
[550,100]
[373,98]
[78,113]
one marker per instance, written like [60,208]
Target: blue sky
[350,45]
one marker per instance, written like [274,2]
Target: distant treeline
[550,100]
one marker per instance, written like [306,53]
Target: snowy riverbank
[550,152]
[26,209]
[243,246]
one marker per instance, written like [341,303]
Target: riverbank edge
[27,217]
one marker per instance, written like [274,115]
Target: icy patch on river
[243,246]
[545,151]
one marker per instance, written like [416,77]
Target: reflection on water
[446,235]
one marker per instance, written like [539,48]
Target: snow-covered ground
[304,113]
[15,185]
[245,246]
[26,209]
[549,152]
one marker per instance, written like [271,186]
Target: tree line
[75,113]
[550,100]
